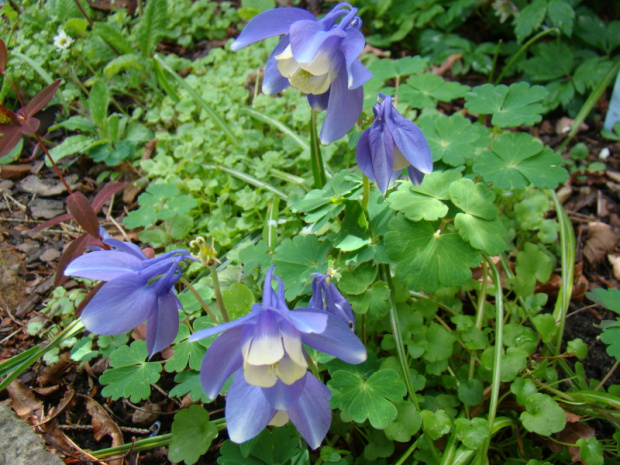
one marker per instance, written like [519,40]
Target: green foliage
[277,447]
[192,434]
[543,415]
[131,375]
[152,26]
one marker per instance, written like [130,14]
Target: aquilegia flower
[326,296]
[264,351]
[391,144]
[318,57]
[137,289]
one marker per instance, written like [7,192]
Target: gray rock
[19,444]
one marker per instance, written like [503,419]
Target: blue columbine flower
[391,144]
[264,351]
[319,57]
[326,296]
[137,289]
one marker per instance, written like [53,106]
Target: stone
[19,444]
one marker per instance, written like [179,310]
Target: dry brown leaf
[571,434]
[447,64]
[103,424]
[52,374]
[25,404]
[601,241]
[64,403]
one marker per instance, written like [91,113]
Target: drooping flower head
[326,296]
[319,57]
[264,351]
[138,289]
[391,144]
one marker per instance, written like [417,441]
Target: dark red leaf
[29,126]
[80,208]
[52,222]
[40,100]
[75,249]
[4,55]
[8,142]
[105,193]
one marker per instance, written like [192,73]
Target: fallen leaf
[104,426]
[614,260]
[64,403]
[25,404]
[447,64]
[570,435]
[52,374]
[601,241]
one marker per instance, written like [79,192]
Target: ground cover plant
[316,233]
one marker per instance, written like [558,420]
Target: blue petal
[103,265]
[312,415]
[415,175]
[382,154]
[352,46]
[343,109]
[126,247]
[247,410]
[337,340]
[119,306]
[162,325]
[307,38]
[223,327]
[274,82]
[222,359]
[363,155]
[270,23]
[410,140]
[282,396]
[318,102]
[307,321]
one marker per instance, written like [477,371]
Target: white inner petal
[293,349]
[265,349]
[320,64]
[400,162]
[279,419]
[260,375]
[289,371]
[310,84]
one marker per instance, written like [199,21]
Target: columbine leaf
[530,18]
[188,382]
[518,160]
[424,201]
[185,352]
[192,434]
[386,68]
[543,415]
[609,298]
[426,259]
[297,259]
[370,398]
[375,300]
[238,300]
[553,60]
[510,106]
[472,433]
[561,15]
[611,336]
[132,375]
[407,422]
[423,91]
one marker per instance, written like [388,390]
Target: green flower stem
[567,243]
[218,292]
[589,103]
[146,443]
[75,327]
[249,179]
[400,350]
[200,101]
[316,161]
[407,453]
[482,299]
[366,193]
[523,49]
[497,359]
[203,304]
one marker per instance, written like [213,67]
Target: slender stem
[86,17]
[366,192]
[608,375]
[316,161]
[482,299]
[495,57]
[497,359]
[54,165]
[400,350]
[218,292]
[407,453]
[203,304]
[523,49]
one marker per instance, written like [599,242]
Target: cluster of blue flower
[264,350]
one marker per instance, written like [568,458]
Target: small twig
[124,429]
[607,376]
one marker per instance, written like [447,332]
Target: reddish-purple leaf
[40,100]
[4,55]
[8,142]
[29,125]
[52,222]
[80,208]
[72,251]
[105,193]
